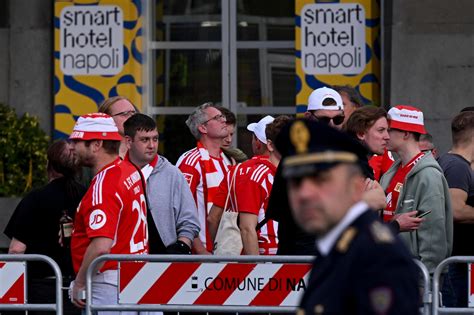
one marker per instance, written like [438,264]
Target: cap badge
[300,137]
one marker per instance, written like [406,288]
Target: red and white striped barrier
[12,282]
[232,284]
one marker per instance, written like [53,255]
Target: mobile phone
[421,214]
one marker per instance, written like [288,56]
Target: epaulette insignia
[381,299]
[381,233]
[346,239]
[318,309]
[300,311]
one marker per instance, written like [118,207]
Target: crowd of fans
[131,200]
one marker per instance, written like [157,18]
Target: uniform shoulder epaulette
[381,233]
[346,239]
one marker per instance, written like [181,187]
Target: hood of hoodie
[162,162]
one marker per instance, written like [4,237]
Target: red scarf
[395,187]
[211,178]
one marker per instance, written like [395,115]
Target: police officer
[361,267]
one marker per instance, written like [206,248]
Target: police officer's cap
[308,146]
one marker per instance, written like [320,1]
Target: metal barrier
[427,293]
[437,309]
[184,258]
[58,307]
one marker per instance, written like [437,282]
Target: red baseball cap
[95,126]
[406,118]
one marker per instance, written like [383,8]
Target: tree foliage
[23,146]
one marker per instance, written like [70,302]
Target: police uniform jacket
[367,271]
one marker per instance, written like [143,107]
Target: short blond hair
[106,105]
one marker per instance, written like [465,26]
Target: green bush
[23,146]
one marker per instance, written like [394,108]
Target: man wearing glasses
[204,166]
[325,105]
[120,108]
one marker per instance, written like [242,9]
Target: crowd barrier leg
[427,293]
[436,308]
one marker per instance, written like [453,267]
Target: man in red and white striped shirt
[253,188]
[205,166]
[253,181]
[111,217]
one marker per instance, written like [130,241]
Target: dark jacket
[368,271]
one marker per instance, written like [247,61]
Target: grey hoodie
[171,203]
[425,188]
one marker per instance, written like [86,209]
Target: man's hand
[199,248]
[408,221]
[75,292]
[374,195]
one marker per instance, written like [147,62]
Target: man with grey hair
[205,165]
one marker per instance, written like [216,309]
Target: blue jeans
[454,288]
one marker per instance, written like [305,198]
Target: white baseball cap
[258,128]
[315,100]
[96,126]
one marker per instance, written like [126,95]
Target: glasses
[127,113]
[219,117]
[337,120]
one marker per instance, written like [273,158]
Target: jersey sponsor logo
[188,177]
[97,219]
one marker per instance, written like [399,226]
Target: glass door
[235,53]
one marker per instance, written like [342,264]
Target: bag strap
[230,186]
[261,223]
[156,245]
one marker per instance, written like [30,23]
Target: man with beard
[111,217]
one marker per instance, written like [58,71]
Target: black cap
[309,146]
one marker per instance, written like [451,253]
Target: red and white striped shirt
[253,184]
[113,207]
[203,173]
[253,187]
